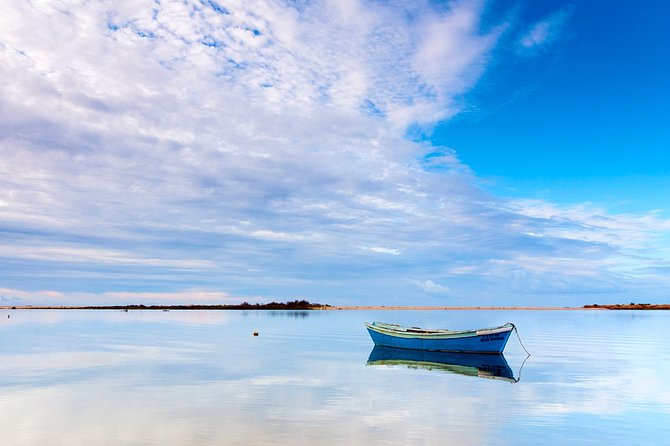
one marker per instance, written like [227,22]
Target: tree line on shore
[290,305]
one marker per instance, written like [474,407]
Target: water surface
[201,378]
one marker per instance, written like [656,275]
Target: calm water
[200,378]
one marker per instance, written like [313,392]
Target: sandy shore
[434,308]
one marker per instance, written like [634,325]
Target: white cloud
[452,53]
[544,32]
[537,35]
[184,296]
[381,250]
[54,297]
[428,286]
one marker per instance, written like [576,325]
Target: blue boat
[492,366]
[484,340]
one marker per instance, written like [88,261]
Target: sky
[344,152]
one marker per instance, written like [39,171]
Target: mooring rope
[519,338]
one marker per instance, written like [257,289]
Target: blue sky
[582,117]
[348,152]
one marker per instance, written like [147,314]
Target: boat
[491,366]
[484,340]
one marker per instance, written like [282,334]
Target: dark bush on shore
[290,305]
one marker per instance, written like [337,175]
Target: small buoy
[255,333]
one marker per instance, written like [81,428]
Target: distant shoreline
[306,306]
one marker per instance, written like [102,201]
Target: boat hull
[489,340]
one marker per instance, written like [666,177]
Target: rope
[519,338]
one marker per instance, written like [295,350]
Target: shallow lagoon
[201,378]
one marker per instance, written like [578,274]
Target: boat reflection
[492,366]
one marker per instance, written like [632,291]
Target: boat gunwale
[418,333]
